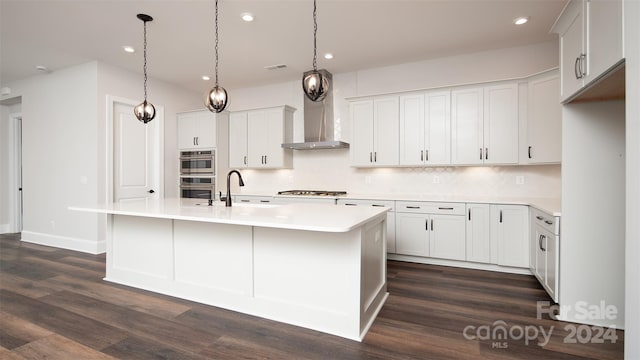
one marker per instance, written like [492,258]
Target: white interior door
[136,150]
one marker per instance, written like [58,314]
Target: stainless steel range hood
[318,123]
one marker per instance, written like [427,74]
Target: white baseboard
[69,243]
[5,228]
[460,264]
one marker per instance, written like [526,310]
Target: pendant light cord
[216,47]
[145,61]
[315,30]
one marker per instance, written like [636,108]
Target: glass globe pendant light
[314,84]
[145,111]
[217,98]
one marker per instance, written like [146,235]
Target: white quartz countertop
[309,217]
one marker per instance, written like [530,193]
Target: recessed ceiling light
[328,56]
[521,20]
[206,78]
[248,17]
[128,49]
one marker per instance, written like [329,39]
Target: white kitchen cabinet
[484,125]
[425,128]
[262,133]
[544,121]
[510,232]
[544,248]
[479,233]
[430,229]
[238,139]
[197,129]
[391,217]
[591,42]
[375,134]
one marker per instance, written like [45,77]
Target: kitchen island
[311,265]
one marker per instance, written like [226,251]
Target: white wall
[329,169]
[59,148]
[632,235]
[5,208]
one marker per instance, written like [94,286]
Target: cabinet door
[438,128]
[238,139]
[510,225]
[274,153]
[447,238]
[540,257]
[551,271]
[258,138]
[412,129]
[391,232]
[501,124]
[412,234]
[571,47]
[544,122]
[604,47]
[196,130]
[361,148]
[467,146]
[478,233]
[386,125]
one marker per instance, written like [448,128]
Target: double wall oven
[197,174]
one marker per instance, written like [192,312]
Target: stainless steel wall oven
[197,162]
[197,187]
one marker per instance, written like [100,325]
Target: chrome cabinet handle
[575,68]
[486,153]
[529,152]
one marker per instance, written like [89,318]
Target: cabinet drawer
[546,221]
[430,207]
[378,203]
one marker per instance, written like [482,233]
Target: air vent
[275,67]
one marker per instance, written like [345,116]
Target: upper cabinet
[425,127]
[484,125]
[197,129]
[591,42]
[375,131]
[255,137]
[544,121]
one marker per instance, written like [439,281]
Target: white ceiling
[360,33]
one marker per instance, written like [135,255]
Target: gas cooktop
[312,192]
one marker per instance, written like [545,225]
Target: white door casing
[136,152]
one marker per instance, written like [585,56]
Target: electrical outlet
[436,179]
[519,180]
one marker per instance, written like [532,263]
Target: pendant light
[145,111]
[314,84]
[217,98]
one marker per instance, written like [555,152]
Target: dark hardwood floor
[55,305]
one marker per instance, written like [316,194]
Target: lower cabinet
[544,248]
[478,226]
[431,229]
[391,217]
[510,231]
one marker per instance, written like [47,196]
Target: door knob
[151,191]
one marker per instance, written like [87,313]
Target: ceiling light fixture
[145,111]
[248,17]
[314,84]
[328,56]
[521,20]
[217,98]
[128,49]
